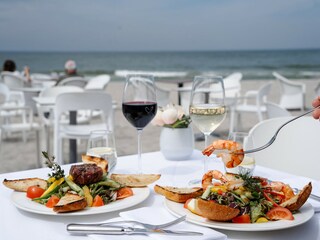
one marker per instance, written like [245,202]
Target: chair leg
[38,149]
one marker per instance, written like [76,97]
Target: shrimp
[212,174]
[232,158]
[282,188]
[229,180]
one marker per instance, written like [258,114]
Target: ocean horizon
[253,64]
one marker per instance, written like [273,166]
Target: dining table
[17,222]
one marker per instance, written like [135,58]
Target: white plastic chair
[293,93]
[45,112]
[296,148]
[232,85]
[67,102]
[99,82]
[74,81]
[274,110]
[42,80]
[13,80]
[24,126]
[258,107]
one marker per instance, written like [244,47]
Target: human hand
[316,112]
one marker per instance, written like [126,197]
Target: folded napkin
[158,216]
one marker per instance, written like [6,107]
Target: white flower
[157,120]
[170,115]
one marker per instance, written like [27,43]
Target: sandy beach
[17,155]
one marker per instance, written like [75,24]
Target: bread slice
[101,162]
[70,203]
[296,202]
[176,194]
[22,185]
[135,180]
[215,211]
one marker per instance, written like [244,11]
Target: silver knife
[83,229]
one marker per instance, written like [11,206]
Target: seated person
[10,66]
[70,69]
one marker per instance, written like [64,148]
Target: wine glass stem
[139,152]
[205,159]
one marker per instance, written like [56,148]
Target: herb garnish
[251,183]
[57,172]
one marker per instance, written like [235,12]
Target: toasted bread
[176,194]
[101,162]
[22,185]
[215,211]
[296,202]
[135,180]
[70,203]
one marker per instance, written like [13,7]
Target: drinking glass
[101,143]
[139,104]
[207,107]
[248,163]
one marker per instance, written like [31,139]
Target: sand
[16,155]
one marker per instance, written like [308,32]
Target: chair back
[295,149]
[4,93]
[99,82]
[274,110]
[76,101]
[293,92]
[263,92]
[73,81]
[232,85]
[12,80]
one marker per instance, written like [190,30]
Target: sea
[253,64]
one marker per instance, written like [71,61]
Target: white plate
[305,213]
[20,200]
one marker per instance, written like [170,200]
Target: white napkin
[300,182]
[159,216]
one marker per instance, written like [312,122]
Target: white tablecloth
[18,224]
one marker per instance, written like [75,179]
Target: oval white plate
[305,213]
[20,200]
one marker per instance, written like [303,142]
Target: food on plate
[242,197]
[101,162]
[22,185]
[85,174]
[85,186]
[135,180]
[232,157]
[296,202]
[69,203]
[215,211]
[177,194]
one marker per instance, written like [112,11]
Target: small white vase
[176,143]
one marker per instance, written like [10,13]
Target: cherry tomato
[97,201]
[124,193]
[52,201]
[34,192]
[278,213]
[245,218]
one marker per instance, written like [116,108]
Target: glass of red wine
[139,105]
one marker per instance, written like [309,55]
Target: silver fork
[144,225]
[276,133]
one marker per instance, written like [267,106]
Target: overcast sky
[134,25]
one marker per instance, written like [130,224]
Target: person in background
[10,66]
[70,70]
[316,112]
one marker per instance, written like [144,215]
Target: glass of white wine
[207,107]
[102,144]
[248,163]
